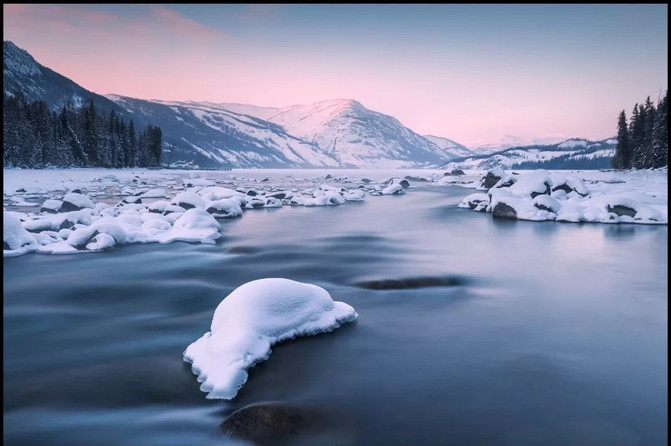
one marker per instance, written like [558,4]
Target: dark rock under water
[411,283]
[288,424]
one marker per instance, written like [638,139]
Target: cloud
[142,51]
[20,21]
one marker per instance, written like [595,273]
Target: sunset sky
[477,74]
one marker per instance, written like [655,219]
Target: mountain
[574,153]
[450,148]
[333,133]
[39,83]
[212,136]
[357,136]
[509,141]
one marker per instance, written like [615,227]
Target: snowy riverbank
[88,210]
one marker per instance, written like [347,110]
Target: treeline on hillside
[565,162]
[35,137]
[643,143]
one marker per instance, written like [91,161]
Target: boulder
[622,210]
[277,423]
[548,190]
[75,201]
[51,206]
[489,180]
[502,210]
[81,237]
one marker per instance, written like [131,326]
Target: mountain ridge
[571,153]
[329,133]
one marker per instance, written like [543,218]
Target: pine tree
[35,137]
[636,129]
[623,155]
[131,158]
[649,123]
[660,135]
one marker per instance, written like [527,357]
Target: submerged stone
[278,423]
[410,283]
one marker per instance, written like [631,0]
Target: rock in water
[250,320]
[492,177]
[502,210]
[277,423]
[75,201]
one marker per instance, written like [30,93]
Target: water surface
[541,334]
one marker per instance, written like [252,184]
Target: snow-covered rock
[473,200]
[213,193]
[16,239]
[158,206]
[394,189]
[101,242]
[325,198]
[540,196]
[154,193]
[79,238]
[250,320]
[354,195]
[74,201]
[224,208]
[114,227]
[491,178]
[191,182]
[195,225]
[188,200]
[272,202]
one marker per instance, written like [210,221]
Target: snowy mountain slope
[510,141]
[39,83]
[570,154]
[450,148]
[333,133]
[343,129]
[203,133]
[247,109]
[357,136]
[224,138]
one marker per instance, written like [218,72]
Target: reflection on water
[620,231]
[555,334]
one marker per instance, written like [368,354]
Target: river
[540,334]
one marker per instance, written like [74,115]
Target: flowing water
[506,333]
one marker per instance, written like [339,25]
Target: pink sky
[458,81]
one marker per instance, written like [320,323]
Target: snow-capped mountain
[357,136]
[450,148]
[39,83]
[218,137]
[335,133]
[509,141]
[574,153]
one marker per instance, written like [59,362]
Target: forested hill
[643,142]
[35,136]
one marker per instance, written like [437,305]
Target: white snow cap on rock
[541,196]
[250,320]
[195,225]
[15,238]
[79,200]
